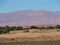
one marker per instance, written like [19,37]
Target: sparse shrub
[12,28]
[57,27]
[41,28]
[19,28]
[58,30]
[12,39]
[50,27]
[33,27]
[0,31]
[26,30]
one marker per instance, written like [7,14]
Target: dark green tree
[19,28]
[57,26]
[50,27]
[33,27]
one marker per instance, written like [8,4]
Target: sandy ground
[32,35]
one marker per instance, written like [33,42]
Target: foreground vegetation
[32,35]
[7,29]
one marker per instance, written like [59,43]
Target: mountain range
[30,17]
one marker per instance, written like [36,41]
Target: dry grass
[32,35]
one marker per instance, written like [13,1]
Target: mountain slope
[30,17]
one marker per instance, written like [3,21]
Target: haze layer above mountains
[30,17]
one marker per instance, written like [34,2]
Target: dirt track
[33,43]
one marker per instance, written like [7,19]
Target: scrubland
[31,35]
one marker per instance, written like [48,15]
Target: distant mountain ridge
[30,17]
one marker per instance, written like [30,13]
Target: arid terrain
[32,36]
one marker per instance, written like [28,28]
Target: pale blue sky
[16,5]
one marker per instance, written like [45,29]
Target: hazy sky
[16,5]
